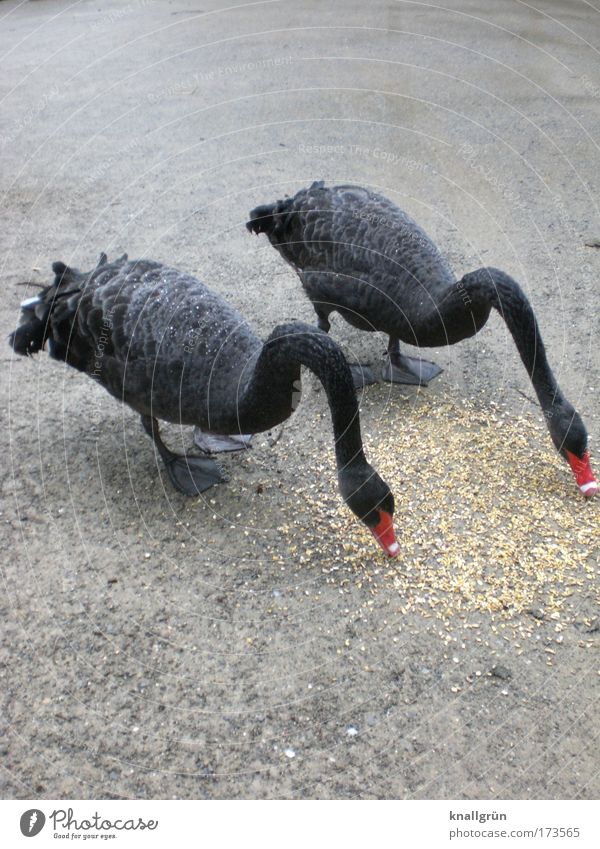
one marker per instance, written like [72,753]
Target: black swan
[358,253]
[164,343]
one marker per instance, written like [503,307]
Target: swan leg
[322,319]
[215,443]
[323,323]
[361,374]
[189,475]
[408,370]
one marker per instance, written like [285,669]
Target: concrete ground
[157,647]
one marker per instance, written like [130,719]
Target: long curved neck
[272,389]
[507,297]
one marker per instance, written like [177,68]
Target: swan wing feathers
[351,231]
[149,333]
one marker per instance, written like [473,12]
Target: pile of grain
[488,516]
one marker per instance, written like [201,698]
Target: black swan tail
[274,218]
[271,219]
[30,336]
[34,326]
[37,317]
[262,219]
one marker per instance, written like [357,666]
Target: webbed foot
[361,375]
[188,474]
[409,370]
[193,475]
[214,443]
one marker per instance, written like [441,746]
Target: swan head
[570,438]
[370,498]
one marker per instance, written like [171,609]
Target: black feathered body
[161,341]
[168,346]
[358,254]
[171,348]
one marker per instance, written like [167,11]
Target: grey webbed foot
[189,475]
[409,370]
[361,375]
[193,475]
[214,443]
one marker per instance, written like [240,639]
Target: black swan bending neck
[271,392]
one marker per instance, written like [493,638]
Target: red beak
[384,534]
[583,473]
